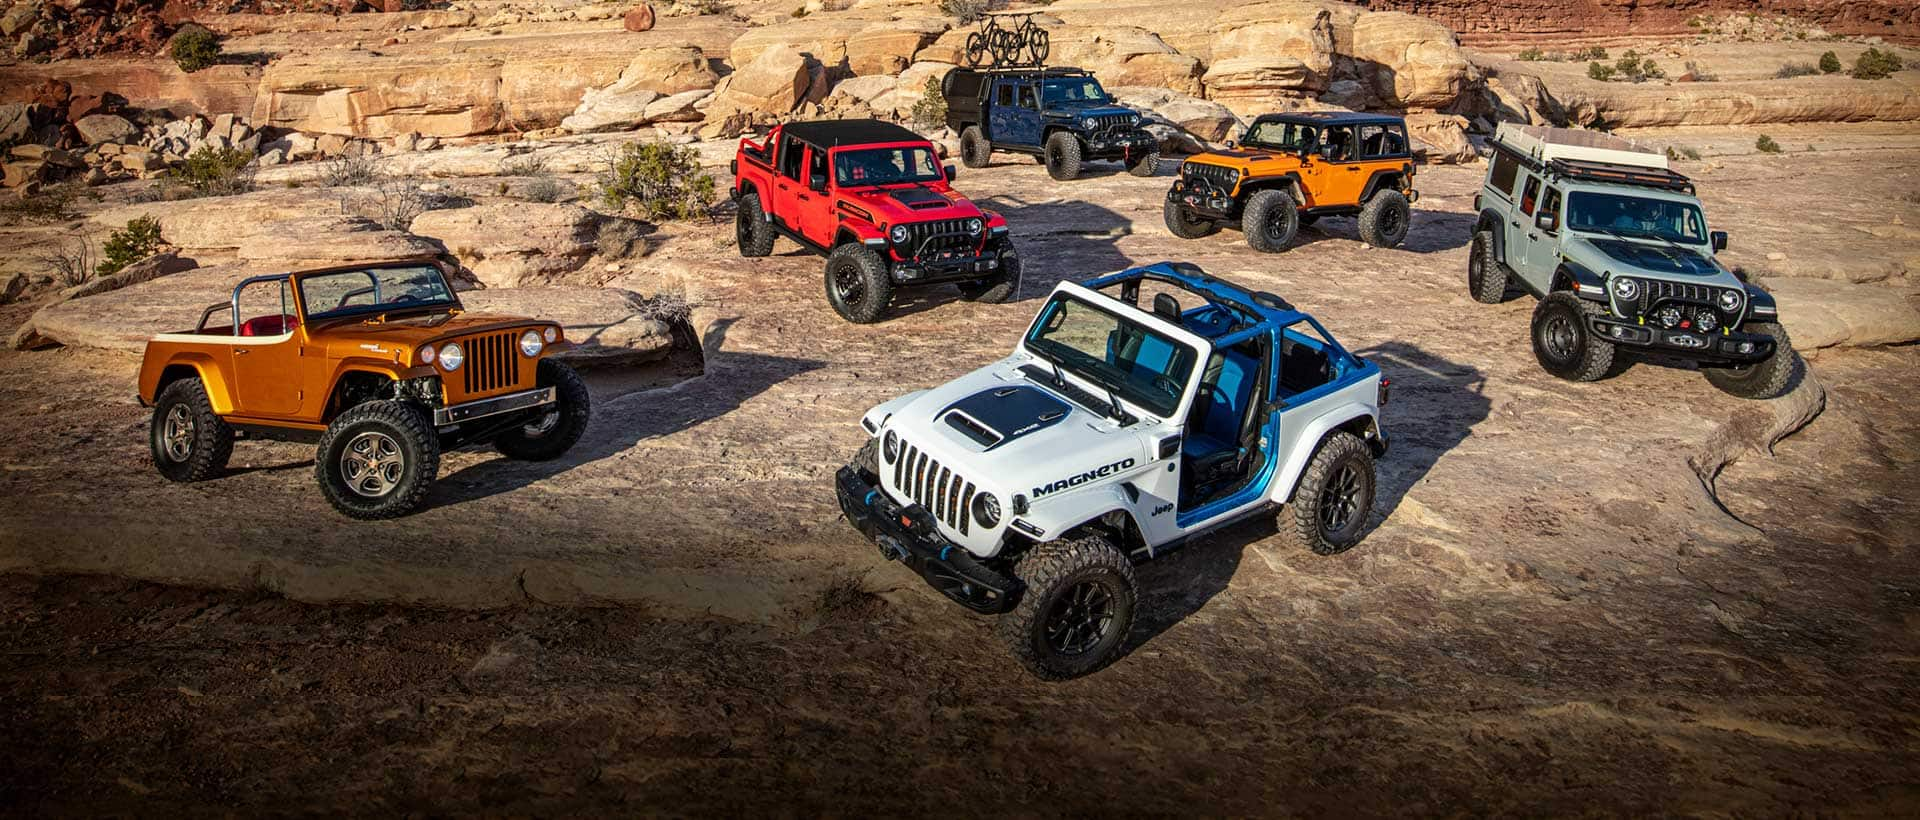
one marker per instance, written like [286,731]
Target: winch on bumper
[1127,144]
[929,267]
[907,534]
[1726,346]
[1202,200]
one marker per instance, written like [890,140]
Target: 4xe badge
[1082,478]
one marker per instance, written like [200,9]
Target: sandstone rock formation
[311,242]
[653,74]
[1821,313]
[1411,62]
[514,244]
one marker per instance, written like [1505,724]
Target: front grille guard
[954,241]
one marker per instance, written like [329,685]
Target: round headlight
[426,354]
[1730,300]
[1090,123]
[451,356]
[899,234]
[974,225]
[552,334]
[1626,288]
[530,343]
[890,447]
[986,510]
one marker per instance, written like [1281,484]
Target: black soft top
[835,133]
[1332,118]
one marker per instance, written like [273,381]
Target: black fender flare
[1761,304]
[1569,274]
[1289,180]
[1490,221]
[1379,178]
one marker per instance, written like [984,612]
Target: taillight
[1385,383]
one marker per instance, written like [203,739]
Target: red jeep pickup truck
[873,198]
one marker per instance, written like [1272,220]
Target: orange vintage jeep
[1291,169]
[377,363]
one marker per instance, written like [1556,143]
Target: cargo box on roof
[1544,143]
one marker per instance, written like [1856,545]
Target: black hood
[1657,258]
[995,417]
[920,197]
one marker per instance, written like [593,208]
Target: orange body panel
[1323,183]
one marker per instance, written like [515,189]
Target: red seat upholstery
[269,325]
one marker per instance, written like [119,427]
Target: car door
[1023,117]
[1543,246]
[1313,381]
[266,352]
[1519,224]
[1383,148]
[789,170]
[813,202]
[1000,105]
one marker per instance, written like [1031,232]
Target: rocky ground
[1606,596]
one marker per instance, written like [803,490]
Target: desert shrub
[545,189]
[71,259]
[344,170]
[709,6]
[1631,66]
[523,166]
[392,203]
[1829,63]
[214,171]
[137,241]
[1531,55]
[1600,71]
[194,48]
[1701,75]
[54,203]
[1594,53]
[1678,152]
[658,181]
[1766,145]
[617,238]
[930,111]
[966,10]
[1874,64]
[1791,70]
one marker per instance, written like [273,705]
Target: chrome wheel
[542,426]
[1080,619]
[1340,499]
[372,464]
[176,433]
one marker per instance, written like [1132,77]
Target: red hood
[911,203]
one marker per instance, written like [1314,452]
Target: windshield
[885,166]
[371,290]
[1140,365]
[1636,216]
[1072,91]
[1280,136]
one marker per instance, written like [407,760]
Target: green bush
[1791,70]
[194,48]
[1600,72]
[1829,63]
[930,111]
[1766,145]
[966,10]
[1874,64]
[1532,55]
[1682,152]
[1595,53]
[658,182]
[137,241]
[212,171]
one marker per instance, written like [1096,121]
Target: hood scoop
[920,199]
[1660,258]
[994,417]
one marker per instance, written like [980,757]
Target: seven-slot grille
[1112,122]
[938,236]
[1216,176]
[935,487]
[1657,291]
[493,362]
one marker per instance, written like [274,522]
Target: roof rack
[1051,71]
[1589,171]
[1543,144]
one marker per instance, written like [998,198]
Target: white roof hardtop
[1545,143]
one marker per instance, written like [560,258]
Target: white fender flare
[1315,431]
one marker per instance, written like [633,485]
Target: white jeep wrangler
[1114,433]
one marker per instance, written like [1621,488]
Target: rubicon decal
[1082,478]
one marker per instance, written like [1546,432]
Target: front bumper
[1728,346]
[936,268]
[1202,201]
[483,408]
[1126,144]
[906,534]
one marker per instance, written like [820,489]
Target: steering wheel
[404,299]
[1166,385]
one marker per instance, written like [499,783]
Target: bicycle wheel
[976,49]
[1037,46]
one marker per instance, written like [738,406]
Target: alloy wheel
[176,433]
[1080,619]
[372,464]
[846,282]
[1557,337]
[1340,499]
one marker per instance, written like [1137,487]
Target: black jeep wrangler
[1060,115]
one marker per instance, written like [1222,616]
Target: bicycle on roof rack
[1009,47]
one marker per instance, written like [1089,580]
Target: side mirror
[951,172]
[1719,240]
[1232,145]
[1547,221]
[818,182]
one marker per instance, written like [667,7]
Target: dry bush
[53,203]
[346,171]
[393,203]
[1789,71]
[546,189]
[617,237]
[72,259]
[523,166]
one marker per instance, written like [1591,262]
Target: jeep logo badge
[1082,478]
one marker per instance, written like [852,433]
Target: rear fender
[1490,221]
[1394,178]
[196,364]
[1345,416]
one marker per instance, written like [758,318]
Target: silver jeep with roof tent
[1616,247]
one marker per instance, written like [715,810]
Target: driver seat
[269,325]
[1212,445]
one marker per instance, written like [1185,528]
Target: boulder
[512,244]
[51,156]
[16,122]
[652,74]
[22,172]
[1411,61]
[610,112]
[216,223]
[1134,56]
[1524,98]
[822,38]
[1205,121]
[311,242]
[1299,31]
[606,326]
[773,84]
[863,89]
[638,18]
[1251,86]
[1443,137]
[164,263]
[1821,313]
[677,108]
[888,48]
[98,128]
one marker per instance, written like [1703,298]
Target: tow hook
[892,550]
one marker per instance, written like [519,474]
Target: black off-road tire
[1486,276]
[1001,288]
[1145,165]
[1062,156]
[1270,220]
[1765,379]
[858,284]
[192,444]
[867,458]
[555,432]
[1385,219]
[1052,572]
[1182,224]
[1563,341]
[751,229]
[1334,497]
[414,441]
[975,150]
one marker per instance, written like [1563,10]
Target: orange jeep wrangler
[1291,169]
[376,363]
